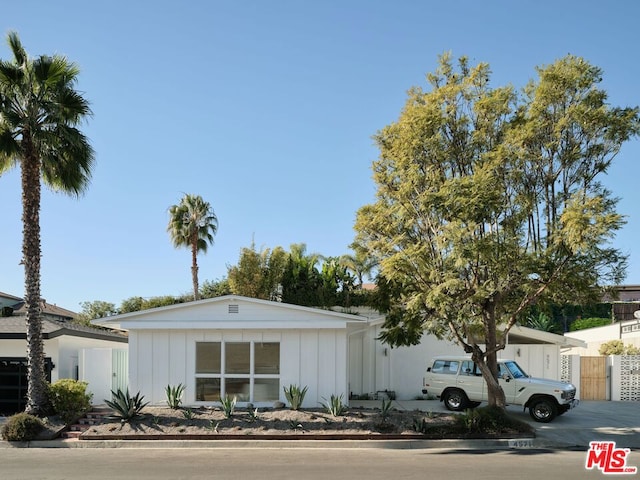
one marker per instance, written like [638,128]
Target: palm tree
[192,224]
[359,264]
[39,115]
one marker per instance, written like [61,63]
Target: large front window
[249,371]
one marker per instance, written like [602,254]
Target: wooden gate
[593,378]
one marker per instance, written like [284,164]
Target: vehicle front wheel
[543,410]
[455,400]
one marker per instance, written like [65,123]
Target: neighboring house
[65,347]
[251,349]
[625,293]
[49,311]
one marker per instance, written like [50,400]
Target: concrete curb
[413,444]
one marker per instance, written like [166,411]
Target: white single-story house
[64,346]
[251,349]
[241,347]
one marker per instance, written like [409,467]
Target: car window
[445,366]
[469,368]
[515,370]
[502,370]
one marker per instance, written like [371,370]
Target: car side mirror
[428,369]
[506,377]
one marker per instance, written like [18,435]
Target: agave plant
[385,409]
[125,406]
[228,405]
[174,395]
[335,406]
[295,396]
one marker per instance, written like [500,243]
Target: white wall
[69,352]
[542,361]
[104,370]
[595,337]
[313,358]
[375,367]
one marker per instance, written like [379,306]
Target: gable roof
[230,312]
[15,327]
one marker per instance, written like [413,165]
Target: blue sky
[266,109]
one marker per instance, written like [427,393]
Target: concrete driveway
[590,421]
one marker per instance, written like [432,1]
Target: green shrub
[70,399]
[125,406]
[490,420]
[617,347]
[295,396]
[21,428]
[174,395]
[583,323]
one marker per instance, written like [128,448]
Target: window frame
[251,376]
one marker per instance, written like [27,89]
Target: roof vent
[234,308]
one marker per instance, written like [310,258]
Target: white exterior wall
[308,357]
[104,370]
[542,361]
[595,337]
[69,353]
[375,367]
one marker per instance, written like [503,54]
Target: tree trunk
[489,369]
[37,391]
[194,269]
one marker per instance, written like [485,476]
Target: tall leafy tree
[489,201]
[258,274]
[95,309]
[215,288]
[192,224]
[301,281]
[40,112]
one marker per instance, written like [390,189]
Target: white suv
[457,382]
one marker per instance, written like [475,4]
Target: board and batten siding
[315,358]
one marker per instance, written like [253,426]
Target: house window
[249,371]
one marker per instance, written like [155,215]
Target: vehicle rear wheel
[455,400]
[543,410]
